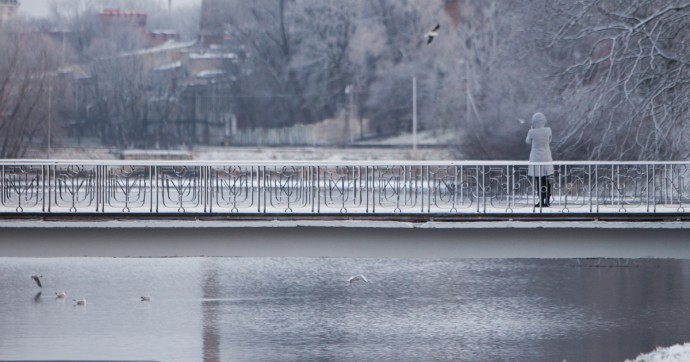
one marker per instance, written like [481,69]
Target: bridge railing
[242,187]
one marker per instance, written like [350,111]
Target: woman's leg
[547,199]
[544,190]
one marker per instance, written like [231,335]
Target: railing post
[426,182]
[680,193]
[318,189]
[97,187]
[265,186]
[665,189]
[477,188]
[559,175]
[374,173]
[157,176]
[43,186]
[654,186]
[596,186]
[510,187]
[562,179]
[149,189]
[50,181]
[484,188]
[211,178]
[647,183]
[366,188]
[462,189]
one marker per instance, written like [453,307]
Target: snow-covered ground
[255,153]
[676,353]
[91,149]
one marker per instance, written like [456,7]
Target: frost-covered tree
[624,71]
[30,89]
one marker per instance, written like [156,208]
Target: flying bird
[146,298]
[37,297]
[37,279]
[60,295]
[81,301]
[358,278]
[432,34]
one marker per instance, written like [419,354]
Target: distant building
[189,85]
[211,24]
[8,10]
[136,20]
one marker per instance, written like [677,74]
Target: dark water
[302,309]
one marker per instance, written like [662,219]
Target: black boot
[547,198]
[544,192]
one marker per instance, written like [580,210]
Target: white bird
[432,34]
[60,295]
[146,298]
[81,301]
[358,278]
[37,279]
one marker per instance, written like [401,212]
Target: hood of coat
[538,120]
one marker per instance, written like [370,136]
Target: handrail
[347,187]
[325,162]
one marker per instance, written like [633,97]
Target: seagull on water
[432,34]
[60,295]
[358,278]
[37,279]
[81,301]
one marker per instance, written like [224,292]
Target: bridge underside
[440,236]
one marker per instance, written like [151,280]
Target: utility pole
[467,91]
[348,137]
[414,112]
[351,112]
[50,114]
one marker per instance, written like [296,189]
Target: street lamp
[349,90]
[414,112]
[50,115]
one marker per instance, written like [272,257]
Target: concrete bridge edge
[345,239]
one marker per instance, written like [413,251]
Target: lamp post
[50,115]
[414,112]
[349,90]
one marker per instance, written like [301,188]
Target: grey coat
[539,137]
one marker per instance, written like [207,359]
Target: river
[304,309]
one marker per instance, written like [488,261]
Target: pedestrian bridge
[467,209]
[319,190]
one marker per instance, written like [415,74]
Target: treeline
[611,75]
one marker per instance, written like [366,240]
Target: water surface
[297,309]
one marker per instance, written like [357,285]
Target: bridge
[398,190]
[304,207]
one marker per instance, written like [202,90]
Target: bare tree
[28,71]
[118,93]
[269,91]
[628,82]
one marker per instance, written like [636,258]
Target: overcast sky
[39,8]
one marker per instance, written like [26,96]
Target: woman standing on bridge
[539,137]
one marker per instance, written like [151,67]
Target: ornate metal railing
[41,186]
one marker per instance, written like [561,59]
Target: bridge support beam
[357,239]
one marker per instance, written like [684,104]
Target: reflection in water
[211,338]
[37,297]
[297,309]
